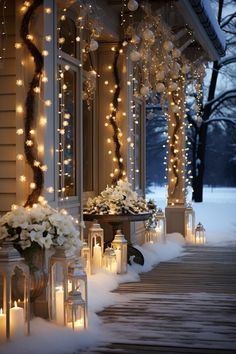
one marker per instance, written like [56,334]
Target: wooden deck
[187,305]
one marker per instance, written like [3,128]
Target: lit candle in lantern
[59,294]
[16,321]
[97,256]
[118,260]
[2,325]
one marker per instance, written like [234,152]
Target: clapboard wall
[8,116]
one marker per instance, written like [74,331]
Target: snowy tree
[219,96]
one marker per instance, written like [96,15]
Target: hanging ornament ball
[168,46]
[132,5]
[92,74]
[144,90]
[135,39]
[185,69]
[176,53]
[148,35]
[93,45]
[172,86]
[160,87]
[135,55]
[175,108]
[160,75]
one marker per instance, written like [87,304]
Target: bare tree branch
[220,97]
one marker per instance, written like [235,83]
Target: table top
[116,218]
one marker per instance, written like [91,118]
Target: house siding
[8,117]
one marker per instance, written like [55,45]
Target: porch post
[176,204]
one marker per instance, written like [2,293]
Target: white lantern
[189,222]
[168,46]
[151,235]
[93,45]
[75,309]
[14,314]
[58,284]
[135,55]
[85,254]
[200,236]
[161,225]
[96,245]
[132,5]
[77,284]
[119,245]
[109,260]
[160,87]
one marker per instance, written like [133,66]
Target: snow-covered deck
[186,305]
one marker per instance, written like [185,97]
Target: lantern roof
[8,253]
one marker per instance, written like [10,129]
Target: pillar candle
[97,256]
[2,326]
[59,299]
[16,321]
[118,259]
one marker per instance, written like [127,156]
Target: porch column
[176,204]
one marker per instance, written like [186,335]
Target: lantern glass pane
[75,316]
[57,293]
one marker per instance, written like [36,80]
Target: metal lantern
[75,309]
[96,245]
[85,254]
[189,222]
[151,235]
[161,224]
[119,245]
[77,285]
[200,236]
[14,313]
[109,260]
[58,285]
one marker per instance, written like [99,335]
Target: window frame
[62,59]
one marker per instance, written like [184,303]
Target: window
[68,108]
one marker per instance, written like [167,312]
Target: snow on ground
[48,338]
[217,214]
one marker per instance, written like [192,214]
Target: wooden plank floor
[187,305]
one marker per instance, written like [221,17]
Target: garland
[30,151]
[112,119]
[174,140]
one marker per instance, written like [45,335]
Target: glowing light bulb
[48,38]
[19,82]
[43,121]
[19,131]
[48,10]
[18,45]
[32,185]
[19,157]
[19,109]
[45,53]
[22,178]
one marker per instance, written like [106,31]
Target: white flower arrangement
[118,200]
[40,225]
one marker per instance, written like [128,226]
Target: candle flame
[1,312]
[15,303]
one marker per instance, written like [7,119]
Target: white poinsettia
[120,199]
[40,225]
